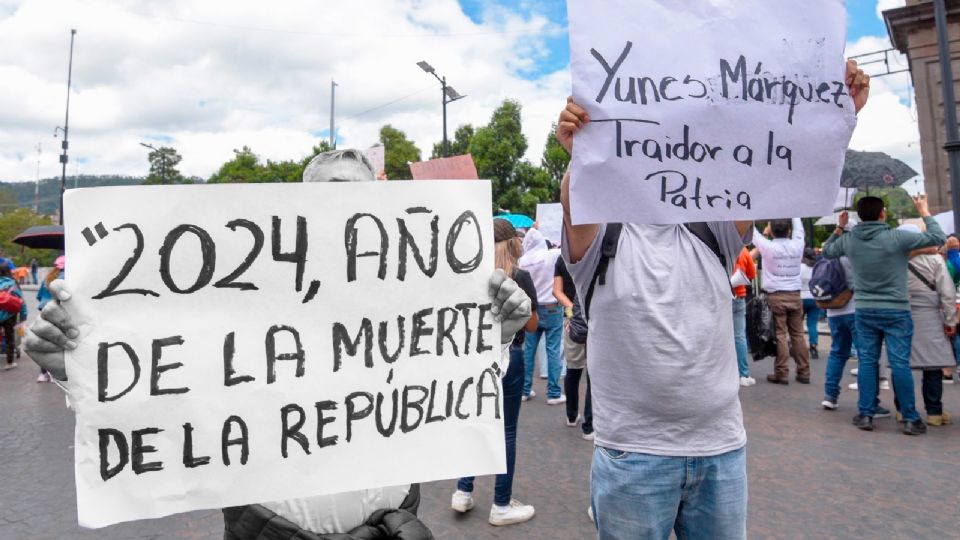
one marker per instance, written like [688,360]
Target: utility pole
[333,124]
[36,189]
[66,128]
[949,108]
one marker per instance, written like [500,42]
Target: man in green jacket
[879,256]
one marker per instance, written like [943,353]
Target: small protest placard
[708,110]
[253,343]
[378,158]
[456,167]
[550,221]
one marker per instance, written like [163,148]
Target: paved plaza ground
[812,474]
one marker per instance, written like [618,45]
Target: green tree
[8,199]
[244,168]
[14,222]
[398,150]
[554,162]
[460,144]
[497,149]
[163,167]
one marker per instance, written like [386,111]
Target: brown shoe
[772,378]
[803,380]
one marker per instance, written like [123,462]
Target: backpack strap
[608,250]
[915,271]
[702,231]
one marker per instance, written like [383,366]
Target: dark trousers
[571,387]
[932,390]
[512,394]
[10,337]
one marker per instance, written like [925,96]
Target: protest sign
[378,158]
[456,167]
[550,221]
[252,343]
[844,198]
[708,109]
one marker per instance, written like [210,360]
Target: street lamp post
[449,96]
[163,161]
[949,108]
[66,128]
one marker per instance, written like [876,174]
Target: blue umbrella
[519,221]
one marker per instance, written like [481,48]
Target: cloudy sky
[209,76]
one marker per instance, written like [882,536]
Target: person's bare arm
[558,293]
[579,237]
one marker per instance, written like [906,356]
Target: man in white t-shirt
[670,444]
[781,280]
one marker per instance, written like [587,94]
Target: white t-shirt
[540,261]
[806,272]
[662,362]
[781,259]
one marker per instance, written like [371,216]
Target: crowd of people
[895,296]
[661,396]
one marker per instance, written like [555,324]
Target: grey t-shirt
[661,357]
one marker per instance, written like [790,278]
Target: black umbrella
[41,237]
[874,169]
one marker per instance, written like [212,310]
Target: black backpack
[611,241]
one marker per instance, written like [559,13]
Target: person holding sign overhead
[387,512]
[670,444]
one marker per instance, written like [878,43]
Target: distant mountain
[49,200]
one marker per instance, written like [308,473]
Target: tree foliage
[163,167]
[14,222]
[554,162]
[460,144]
[398,151]
[497,149]
[246,168]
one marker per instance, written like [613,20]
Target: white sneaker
[829,405]
[884,384]
[854,371]
[747,381]
[575,422]
[515,512]
[529,396]
[853,386]
[557,400]
[461,501]
[43,377]
[589,436]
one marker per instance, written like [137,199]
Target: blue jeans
[740,335]
[551,325]
[512,392]
[895,328]
[812,313]
[640,496]
[842,332]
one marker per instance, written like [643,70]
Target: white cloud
[217,75]
[883,5]
[889,121]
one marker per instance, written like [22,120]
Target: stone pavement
[812,474]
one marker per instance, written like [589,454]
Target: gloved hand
[511,306]
[52,333]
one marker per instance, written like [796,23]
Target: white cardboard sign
[550,221]
[252,343]
[708,109]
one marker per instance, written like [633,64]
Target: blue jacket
[8,283]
